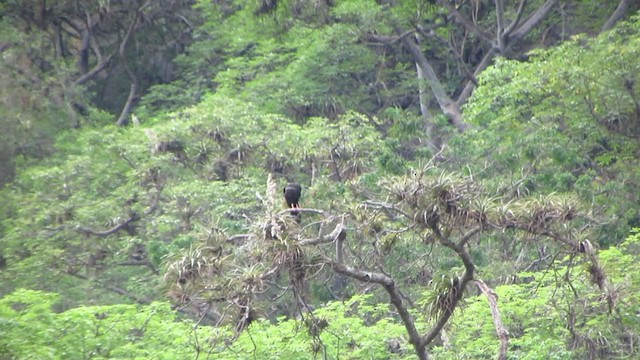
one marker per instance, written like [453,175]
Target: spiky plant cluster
[187,276]
[596,344]
[196,263]
[458,201]
[271,251]
[598,276]
[295,262]
[441,198]
[539,214]
[444,296]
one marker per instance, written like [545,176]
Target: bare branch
[503,333]
[532,21]
[470,26]
[336,234]
[388,40]
[395,297]
[5,46]
[468,89]
[464,280]
[133,90]
[101,65]
[303,210]
[500,24]
[137,298]
[125,225]
[387,283]
[618,14]
[516,21]
[387,206]
[238,238]
[466,237]
[471,76]
[115,289]
[140,263]
[123,119]
[447,105]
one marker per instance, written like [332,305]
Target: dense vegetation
[470,175]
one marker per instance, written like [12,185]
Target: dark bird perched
[292,195]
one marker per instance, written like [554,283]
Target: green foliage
[33,108]
[182,178]
[300,91]
[541,312]
[355,329]
[294,68]
[569,118]
[31,329]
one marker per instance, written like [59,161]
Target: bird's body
[292,195]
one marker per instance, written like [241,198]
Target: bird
[292,194]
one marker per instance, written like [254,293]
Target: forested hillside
[470,175]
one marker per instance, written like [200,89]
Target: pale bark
[533,21]
[504,39]
[423,99]
[447,105]
[503,333]
[500,24]
[123,118]
[617,15]
[468,24]
[519,13]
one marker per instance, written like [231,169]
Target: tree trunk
[503,333]
[427,117]
[617,15]
[447,105]
[83,54]
[123,119]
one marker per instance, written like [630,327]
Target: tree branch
[447,105]
[101,65]
[5,46]
[471,75]
[140,263]
[516,21]
[338,234]
[394,296]
[468,89]
[115,289]
[466,237]
[468,25]
[139,299]
[503,333]
[618,14]
[123,118]
[387,283]
[531,22]
[464,280]
[500,24]
[134,217]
